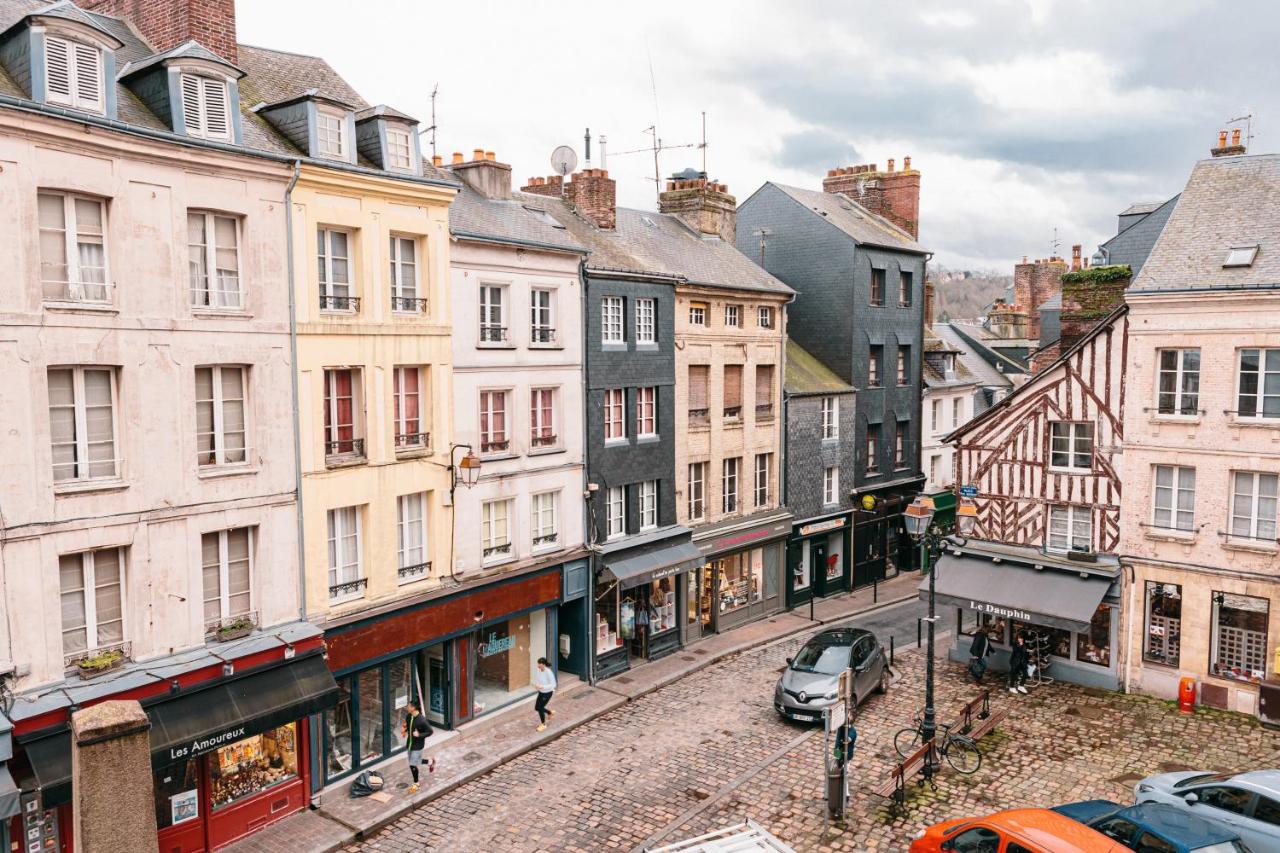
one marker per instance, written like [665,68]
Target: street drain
[701,652]
[622,679]
[688,658]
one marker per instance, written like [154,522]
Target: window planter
[234,629]
[99,663]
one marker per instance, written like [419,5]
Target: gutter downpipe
[293,355]
[587,527]
[1130,576]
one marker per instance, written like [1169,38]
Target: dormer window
[1241,256]
[74,75]
[399,149]
[205,107]
[331,133]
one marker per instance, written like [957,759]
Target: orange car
[1014,831]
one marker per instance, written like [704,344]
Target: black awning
[1048,597]
[50,760]
[9,795]
[207,719]
[633,568]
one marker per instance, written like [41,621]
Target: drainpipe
[1132,577]
[293,353]
[588,528]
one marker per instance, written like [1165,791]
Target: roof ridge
[285,52]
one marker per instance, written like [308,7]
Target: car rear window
[1202,778]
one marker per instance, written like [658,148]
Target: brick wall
[169,23]
[1085,303]
[1034,283]
[895,195]
[706,207]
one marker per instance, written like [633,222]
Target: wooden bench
[894,786]
[976,719]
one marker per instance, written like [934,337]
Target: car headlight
[1144,788]
[832,695]
[919,834]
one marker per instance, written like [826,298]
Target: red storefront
[229,747]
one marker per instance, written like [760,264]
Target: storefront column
[113,804]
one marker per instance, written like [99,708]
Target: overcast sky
[1022,115]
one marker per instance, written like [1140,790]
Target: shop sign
[204,744]
[822,526]
[496,645]
[741,539]
[997,610]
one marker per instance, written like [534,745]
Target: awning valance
[633,568]
[1048,597]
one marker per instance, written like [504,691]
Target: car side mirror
[948,845]
[1191,798]
[789,660]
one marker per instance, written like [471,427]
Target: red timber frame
[1005,451]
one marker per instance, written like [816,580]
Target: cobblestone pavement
[709,750]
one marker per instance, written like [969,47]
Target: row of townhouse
[318,425]
[1127,492]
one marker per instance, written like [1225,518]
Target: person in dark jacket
[1018,660]
[417,730]
[979,650]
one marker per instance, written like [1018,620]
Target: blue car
[1154,827]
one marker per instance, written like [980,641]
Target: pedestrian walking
[416,729]
[545,680]
[1018,660]
[979,650]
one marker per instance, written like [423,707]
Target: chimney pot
[457,157]
[906,163]
[489,155]
[831,173]
[890,169]
[477,154]
[437,160]
[1222,139]
[1235,136]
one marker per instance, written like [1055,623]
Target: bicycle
[959,751]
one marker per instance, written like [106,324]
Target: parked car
[811,682]
[1249,802]
[1155,827]
[1014,831]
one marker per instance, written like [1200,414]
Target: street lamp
[966,517]
[466,471]
[917,519]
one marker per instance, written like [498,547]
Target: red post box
[1187,695]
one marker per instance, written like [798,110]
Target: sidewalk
[478,747]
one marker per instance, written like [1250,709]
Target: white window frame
[224,575]
[331,430]
[900,445]
[649,505]
[906,283]
[208,297]
[730,480]
[1168,498]
[646,320]
[1179,373]
[76,288]
[394,144]
[764,464]
[733,316]
[88,582]
[612,328]
[492,441]
[81,466]
[78,53]
[903,358]
[341,523]
[542,419]
[830,418]
[207,91]
[935,414]
[542,318]
[544,514]
[957,412]
[220,451]
[398,265]
[697,491]
[874,366]
[698,314]
[496,547]
[400,417]
[1261,397]
[764,316]
[325,255]
[334,148]
[406,520]
[873,448]
[493,303]
[830,486]
[615,512]
[1262,524]
[1077,434]
[1076,518]
[647,412]
[615,419]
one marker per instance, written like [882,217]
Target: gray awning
[1048,597]
[9,795]
[633,568]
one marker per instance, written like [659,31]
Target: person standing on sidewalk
[545,680]
[417,730]
[1018,660]
[978,652]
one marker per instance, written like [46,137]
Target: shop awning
[632,568]
[1049,597]
[207,719]
[50,760]
[9,795]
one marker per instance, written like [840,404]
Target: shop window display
[1058,640]
[178,793]
[997,627]
[338,732]
[611,632]
[506,655]
[1094,646]
[371,727]
[400,683]
[662,606]
[1239,646]
[1164,623]
[254,764]
[741,579]
[835,561]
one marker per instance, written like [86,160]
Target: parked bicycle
[959,751]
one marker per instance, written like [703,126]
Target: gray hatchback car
[810,683]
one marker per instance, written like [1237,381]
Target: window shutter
[191,104]
[698,386]
[764,385]
[58,69]
[732,386]
[215,108]
[88,75]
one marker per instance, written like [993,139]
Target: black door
[869,552]
[573,624]
[818,567]
[799,582]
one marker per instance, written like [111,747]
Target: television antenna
[1247,118]
[762,233]
[435,89]
[1055,244]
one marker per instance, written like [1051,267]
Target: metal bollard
[891,650]
[919,622]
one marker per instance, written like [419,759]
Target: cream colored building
[1202,441]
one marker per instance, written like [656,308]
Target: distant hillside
[964,294]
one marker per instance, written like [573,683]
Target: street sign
[835,717]
[968,490]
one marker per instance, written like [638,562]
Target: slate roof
[808,376]
[517,220]
[186,50]
[934,378]
[982,370]
[1228,201]
[383,110]
[278,75]
[1133,245]
[1140,207]
[852,218]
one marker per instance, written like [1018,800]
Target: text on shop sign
[496,645]
[205,744]
[994,610]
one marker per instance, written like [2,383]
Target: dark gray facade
[1136,237]
[809,455]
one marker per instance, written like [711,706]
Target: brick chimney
[169,23]
[929,307]
[484,174]
[1076,264]
[895,195]
[1225,150]
[1088,296]
[1007,321]
[591,192]
[705,206]
[1035,283]
[552,185]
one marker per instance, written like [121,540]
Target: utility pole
[762,233]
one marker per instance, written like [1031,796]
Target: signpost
[969,490]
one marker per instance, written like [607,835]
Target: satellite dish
[563,160]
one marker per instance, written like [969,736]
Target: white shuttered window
[205,110]
[73,72]
[82,423]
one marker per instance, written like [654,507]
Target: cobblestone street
[709,750]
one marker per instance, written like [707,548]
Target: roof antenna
[1055,244]
[657,140]
[586,138]
[762,233]
[432,129]
[1247,118]
[703,146]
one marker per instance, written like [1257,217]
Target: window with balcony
[733,392]
[91,586]
[1253,505]
[206,108]
[877,286]
[904,289]
[220,415]
[409,405]
[333,257]
[343,408]
[1070,528]
[699,381]
[830,418]
[74,74]
[729,484]
[1174,498]
[611,325]
[495,531]
[764,392]
[213,254]
[346,564]
[227,567]
[543,523]
[1259,395]
[830,486]
[542,418]
[494,437]
[646,323]
[1178,389]
[542,321]
[764,472]
[733,316]
[646,412]
[764,316]
[82,423]
[697,491]
[649,505]
[413,561]
[73,249]
[616,512]
[614,424]
[493,315]
[1071,446]
[406,292]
